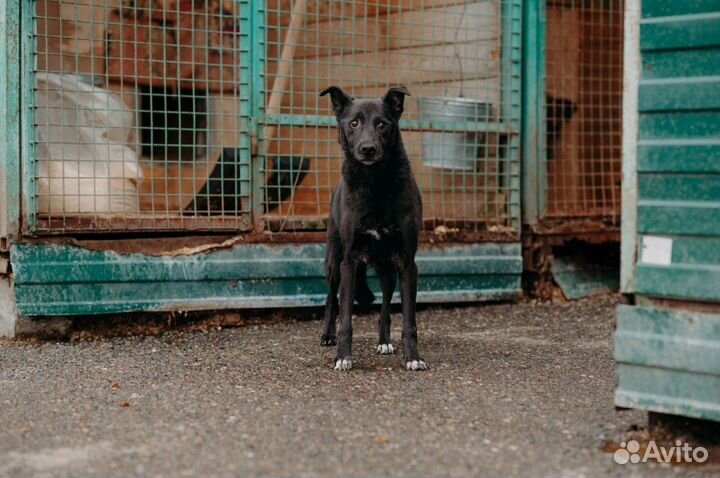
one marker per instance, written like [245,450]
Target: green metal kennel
[667,343]
[166,155]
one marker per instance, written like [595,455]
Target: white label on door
[656,250]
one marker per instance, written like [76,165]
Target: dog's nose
[368,150]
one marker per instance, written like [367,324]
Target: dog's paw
[385,349]
[343,364]
[416,365]
[328,341]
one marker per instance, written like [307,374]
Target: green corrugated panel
[657,156]
[57,279]
[679,94]
[664,8]
[679,147]
[676,63]
[668,361]
[692,31]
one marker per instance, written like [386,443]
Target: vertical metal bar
[27,115]
[10,172]
[531,117]
[511,101]
[256,68]
[631,69]
[541,158]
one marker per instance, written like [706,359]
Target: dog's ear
[394,99]
[340,99]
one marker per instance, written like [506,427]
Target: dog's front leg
[408,294]
[343,360]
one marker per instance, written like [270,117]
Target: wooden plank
[406,66]
[278,11]
[70,35]
[455,24]
[487,90]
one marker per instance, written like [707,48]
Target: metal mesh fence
[458,60]
[583,103]
[137,116]
[145,111]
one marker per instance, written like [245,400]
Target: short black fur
[375,220]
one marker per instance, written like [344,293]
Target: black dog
[375,219]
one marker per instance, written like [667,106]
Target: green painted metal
[533,90]
[28,29]
[673,216]
[680,187]
[679,281]
[666,64]
[678,94]
[668,361]
[406,125]
[666,8]
[678,144]
[658,156]
[10,118]
[512,13]
[631,78]
[579,278]
[687,31]
[669,358]
[57,279]
[254,16]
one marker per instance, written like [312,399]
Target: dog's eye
[354,123]
[381,125]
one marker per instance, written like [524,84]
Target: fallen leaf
[382,440]
[115,386]
[124,404]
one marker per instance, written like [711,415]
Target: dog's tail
[363,295]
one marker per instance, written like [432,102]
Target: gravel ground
[514,389]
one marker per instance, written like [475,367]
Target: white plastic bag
[84,163]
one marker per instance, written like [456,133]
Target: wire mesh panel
[138,116]
[583,104]
[460,61]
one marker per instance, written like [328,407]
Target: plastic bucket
[451,150]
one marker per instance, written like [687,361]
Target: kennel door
[461,63]
[139,115]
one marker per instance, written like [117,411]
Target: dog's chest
[376,240]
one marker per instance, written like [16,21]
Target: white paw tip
[385,349]
[343,364]
[416,365]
